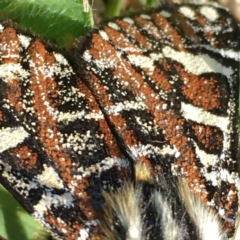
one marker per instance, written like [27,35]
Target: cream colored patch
[60,59]
[50,178]
[200,116]
[86,6]
[114,26]
[187,12]
[11,137]
[165,14]
[143,62]
[24,40]
[49,200]
[125,105]
[202,63]
[1,27]
[210,13]
[144,16]
[104,35]
[70,117]
[10,71]
[148,149]
[128,20]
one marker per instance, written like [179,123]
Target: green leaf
[113,8]
[15,222]
[60,21]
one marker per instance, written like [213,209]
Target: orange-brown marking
[113,149]
[121,41]
[210,137]
[212,39]
[27,159]
[11,49]
[61,160]
[123,71]
[1,116]
[198,89]
[167,120]
[160,78]
[10,54]
[136,35]
[100,89]
[168,31]
[72,231]
[150,27]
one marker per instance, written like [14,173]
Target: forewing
[167,82]
[56,151]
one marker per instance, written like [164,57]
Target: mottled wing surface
[56,150]
[162,83]
[167,83]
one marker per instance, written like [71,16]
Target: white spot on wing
[49,200]
[144,62]
[165,14]
[206,158]
[210,13]
[113,25]
[197,64]
[198,115]
[24,40]
[148,149]
[83,234]
[60,59]
[87,56]
[70,117]
[104,35]
[11,137]
[104,165]
[187,12]
[226,53]
[50,178]
[144,16]
[1,27]
[156,56]
[128,20]
[126,105]
[9,71]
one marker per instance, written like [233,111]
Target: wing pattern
[108,137]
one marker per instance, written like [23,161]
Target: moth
[130,135]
